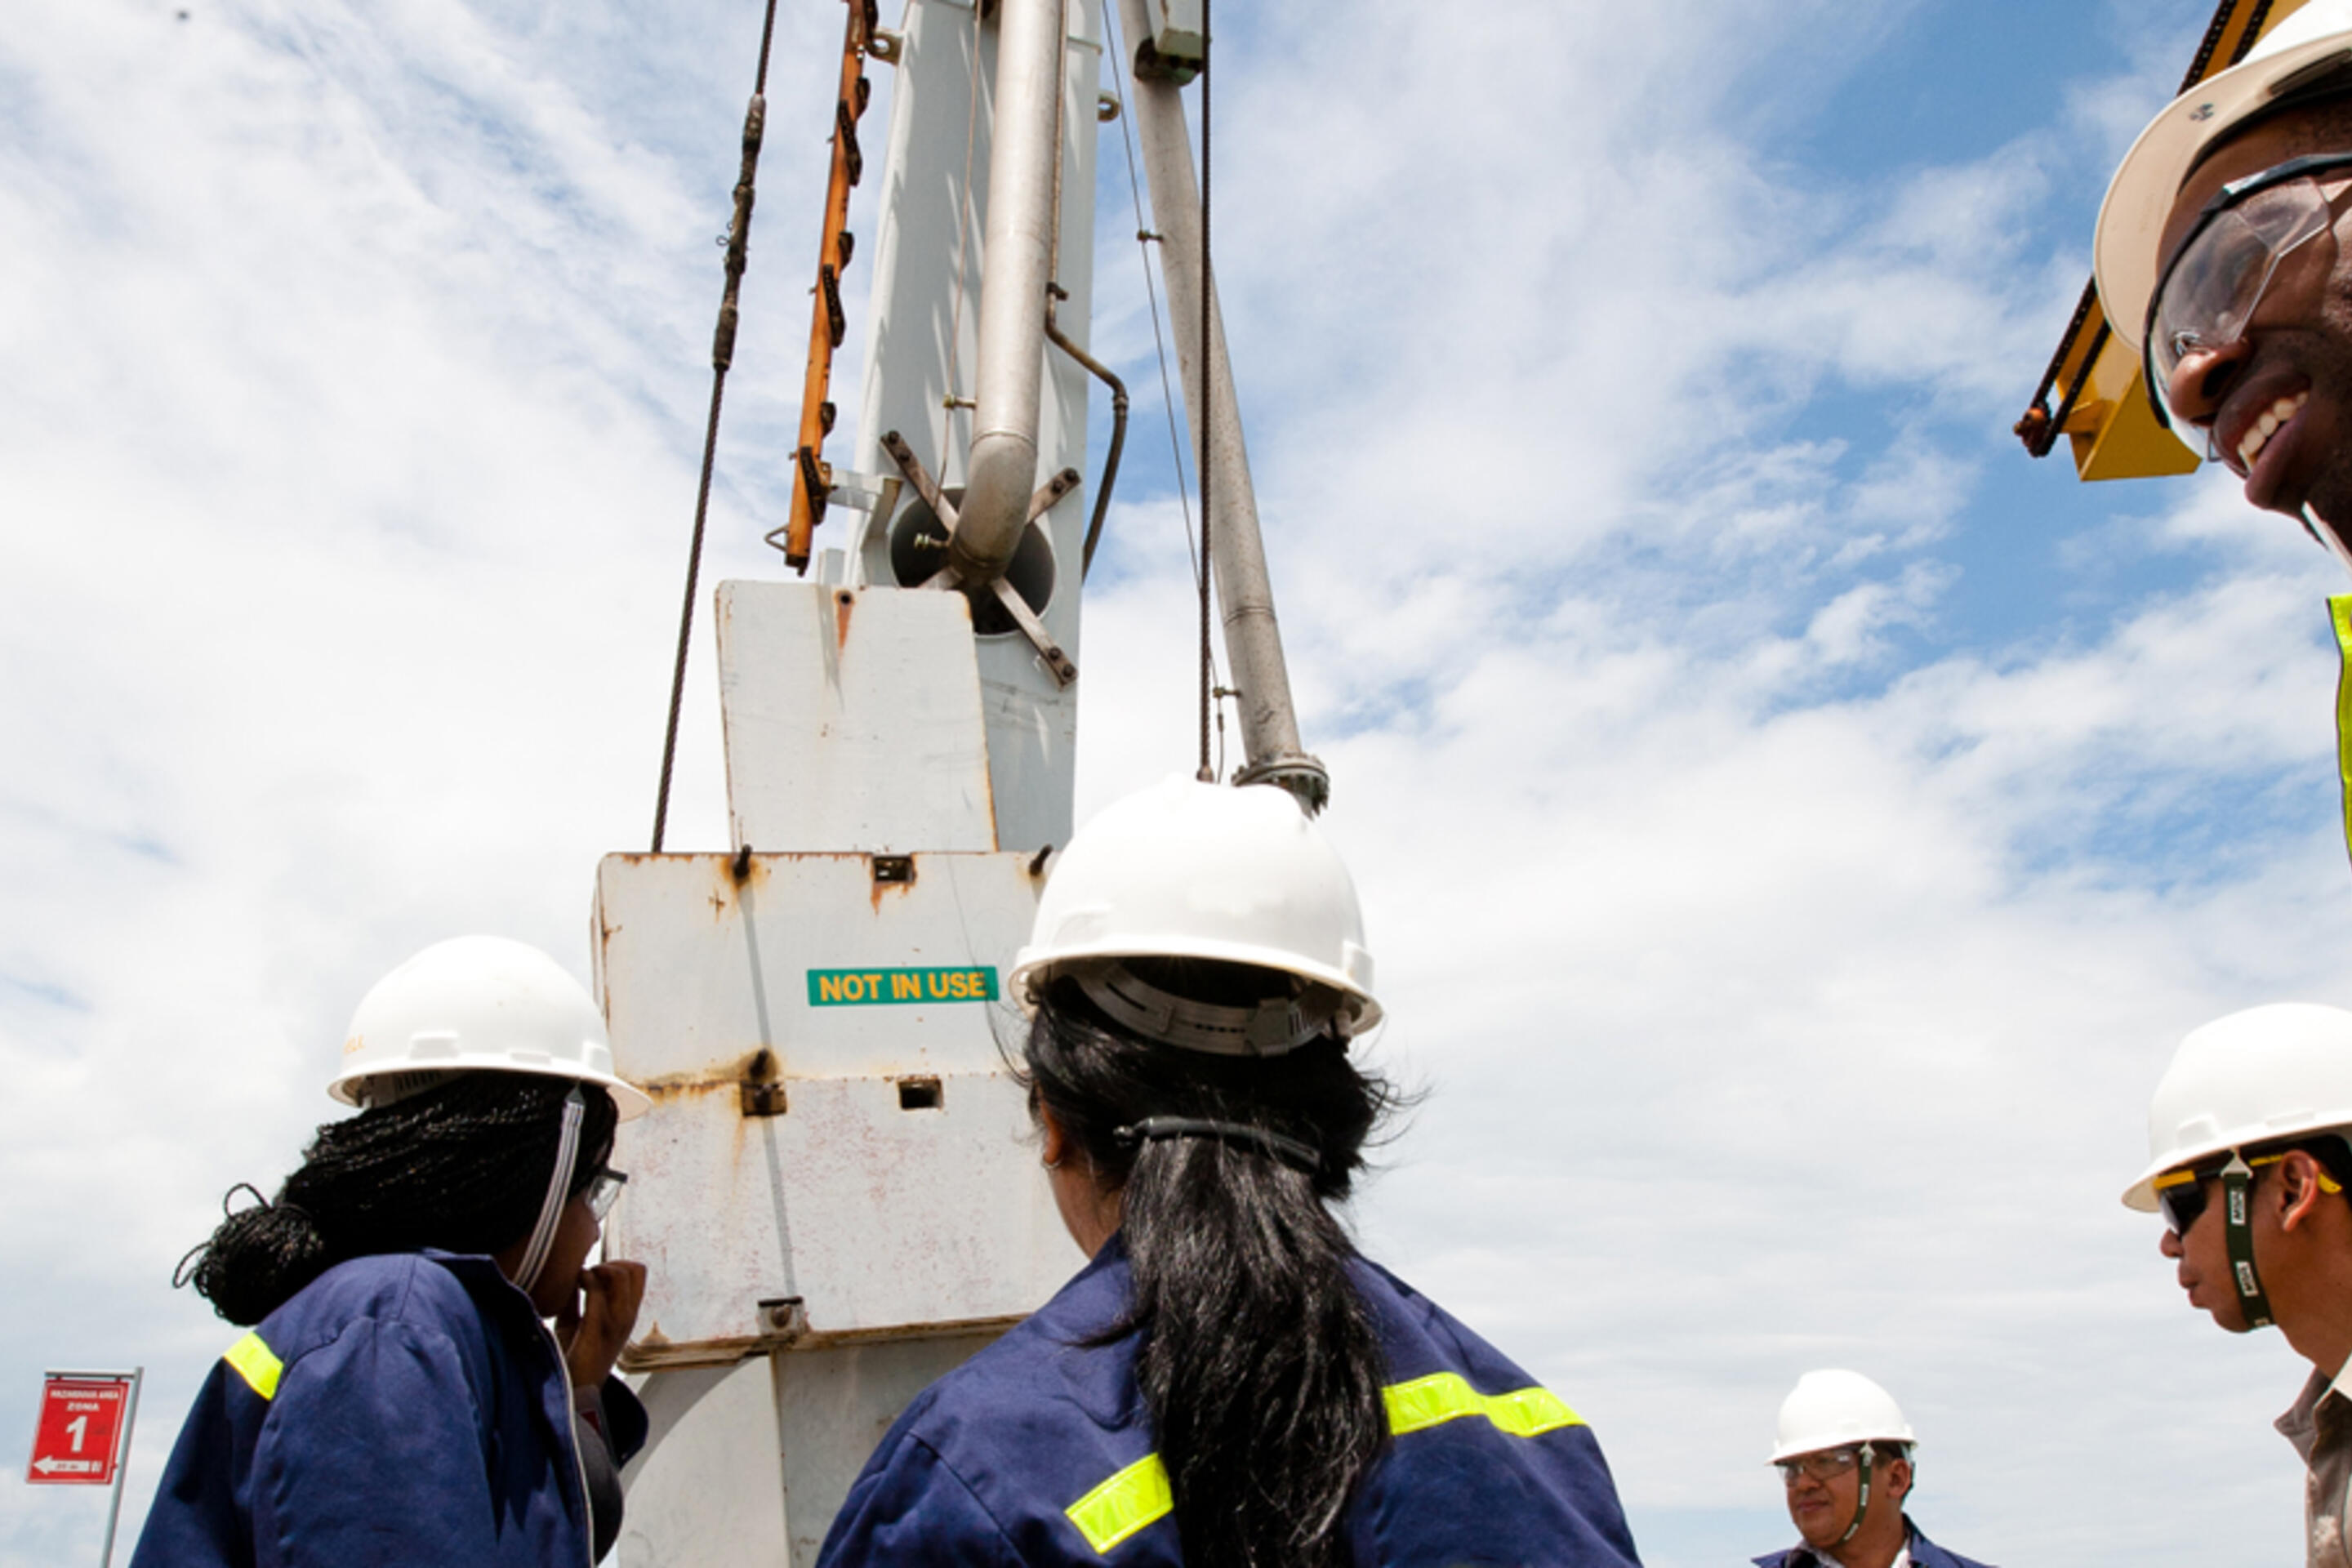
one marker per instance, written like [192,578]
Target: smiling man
[1844,1454]
[2249,1163]
[2222,256]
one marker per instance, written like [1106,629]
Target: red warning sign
[81,1429]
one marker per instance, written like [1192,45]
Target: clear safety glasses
[1827,1465]
[2181,1194]
[2215,281]
[603,1189]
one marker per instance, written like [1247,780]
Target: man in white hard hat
[2220,255]
[1844,1454]
[2248,1163]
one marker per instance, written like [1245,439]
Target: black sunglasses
[2183,1194]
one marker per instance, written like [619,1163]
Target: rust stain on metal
[754,1066]
[844,603]
[892,873]
[653,1353]
[763,1094]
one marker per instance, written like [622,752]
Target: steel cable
[722,354]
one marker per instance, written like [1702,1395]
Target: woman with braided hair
[1226,1383]
[401,1398]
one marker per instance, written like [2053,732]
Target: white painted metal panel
[887,1208]
[925,311]
[707,1487]
[749,1463]
[853,719]
[833,1406]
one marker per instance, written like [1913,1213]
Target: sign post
[83,1435]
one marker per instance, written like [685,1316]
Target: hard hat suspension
[2237,1214]
[559,1187]
[1269,1027]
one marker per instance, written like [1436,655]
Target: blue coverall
[1039,1450]
[1925,1553]
[406,1409]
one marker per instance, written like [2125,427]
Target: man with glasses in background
[2221,255]
[2249,1163]
[1845,1453]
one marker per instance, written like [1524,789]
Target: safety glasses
[1824,1466]
[2215,281]
[2183,1194]
[603,1189]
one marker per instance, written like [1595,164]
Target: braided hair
[1259,1363]
[462,1166]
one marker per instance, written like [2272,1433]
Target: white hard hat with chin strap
[477,1004]
[1193,870]
[1834,1408]
[1233,876]
[2266,1075]
[486,1003]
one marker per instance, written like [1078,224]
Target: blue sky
[1794,826]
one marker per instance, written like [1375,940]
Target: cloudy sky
[1794,826]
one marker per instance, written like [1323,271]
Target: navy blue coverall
[1925,1553]
[1038,1450]
[406,1409]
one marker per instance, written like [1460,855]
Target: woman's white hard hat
[476,1004]
[1187,869]
[2267,1073]
[2131,220]
[1833,1408]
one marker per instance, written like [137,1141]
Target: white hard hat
[2308,44]
[1830,1408]
[476,1004]
[1186,870]
[2252,1076]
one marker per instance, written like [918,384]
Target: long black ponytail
[463,1166]
[1257,1361]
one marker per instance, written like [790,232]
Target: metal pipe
[1103,374]
[1253,636]
[1015,267]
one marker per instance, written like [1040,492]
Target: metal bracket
[1304,776]
[919,476]
[1057,663]
[1052,491]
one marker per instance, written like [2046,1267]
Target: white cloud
[1788,960]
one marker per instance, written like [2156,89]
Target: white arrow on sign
[49,1467]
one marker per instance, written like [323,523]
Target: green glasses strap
[2237,1212]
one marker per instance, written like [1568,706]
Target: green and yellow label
[870,987]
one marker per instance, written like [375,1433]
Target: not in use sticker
[870,987]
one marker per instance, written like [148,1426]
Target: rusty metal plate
[833,1121]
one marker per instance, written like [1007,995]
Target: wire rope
[722,354]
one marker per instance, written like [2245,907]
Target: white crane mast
[837,1193]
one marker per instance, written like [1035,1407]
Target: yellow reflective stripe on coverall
[2339,615]
[1140,1495]
[1447,1396]
[1123,1504]
[256,1364]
